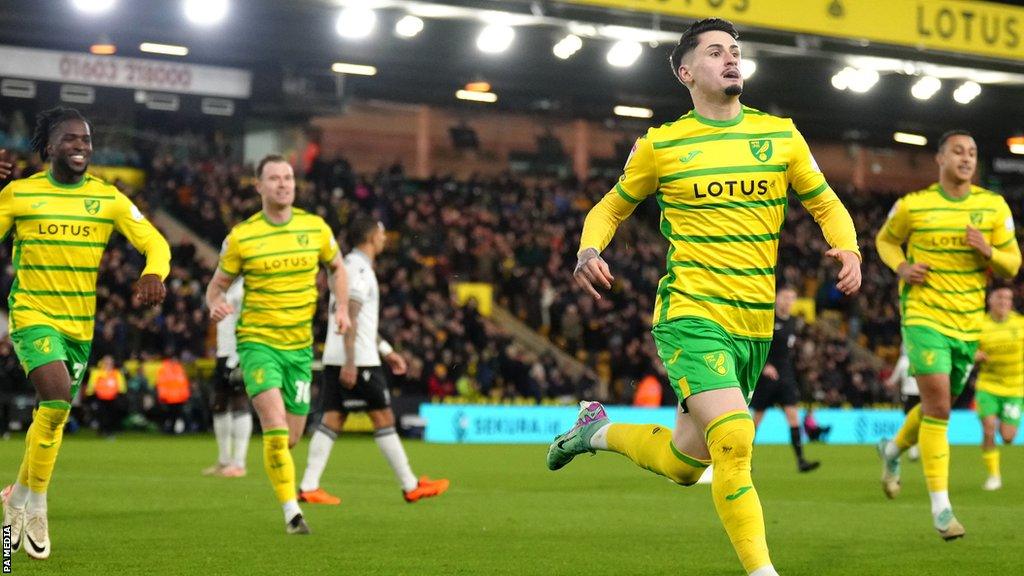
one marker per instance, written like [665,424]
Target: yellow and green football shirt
[1003,342]
[280,263]
[60,233]
[722,187]
[934,227]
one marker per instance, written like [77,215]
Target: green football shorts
[699,355]
[40,345]
[265,367]
[931,352]
[1007,408]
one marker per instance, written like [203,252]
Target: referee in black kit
[778,384]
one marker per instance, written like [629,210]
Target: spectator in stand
[107,389]
[173,391]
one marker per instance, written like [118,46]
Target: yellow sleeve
[328,244]
[144,237]
[893,233]
[6,211]
[1006,257]
[638,181]
[230,259]
[122,384]
[819,199]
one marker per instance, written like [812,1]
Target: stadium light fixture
[908,138]
[1015,144]
[633,112]
[355,22]
[472,96]
[357,69]
[409,26]
[165,49]
[925,88]
[103,48]
[966,92]
[582,29]
[206,12]
[568,46]
[747,67]
[855,80]
[478,86]
[624,53]
[495,38]
[93,7]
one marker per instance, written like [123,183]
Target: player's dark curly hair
[359,230]
[45,124]
[690,38]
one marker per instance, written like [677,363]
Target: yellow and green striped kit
[280,263]
[722,187]
[1003,342]
[934,227]
[60,233]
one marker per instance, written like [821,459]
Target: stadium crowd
[518,234]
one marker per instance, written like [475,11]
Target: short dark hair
[47,121]
[1000,284]
[359,230]
[691,37]
[267,160]
[949,134]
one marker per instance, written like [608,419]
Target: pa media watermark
[8,553]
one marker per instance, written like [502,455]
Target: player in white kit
[232,421]
[353,379]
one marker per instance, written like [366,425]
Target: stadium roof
[290,46]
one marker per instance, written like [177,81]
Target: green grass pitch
[137,505]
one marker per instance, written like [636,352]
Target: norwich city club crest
[42,344]
[976,218]
[716,361]
[761,149]
[92,206]
[303,240]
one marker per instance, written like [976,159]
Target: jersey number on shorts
[302,392]
[78,368]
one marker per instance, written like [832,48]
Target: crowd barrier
[475,424]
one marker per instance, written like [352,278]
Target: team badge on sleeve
[1009,224]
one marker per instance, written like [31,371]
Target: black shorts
[910,401]
[769,393]
[370,392]
[223,383]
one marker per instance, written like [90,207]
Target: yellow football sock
[935,453]
[277,460]
[650,447]
[29,436]
[731,441]
[907,436]
[44,440]
[991,458]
